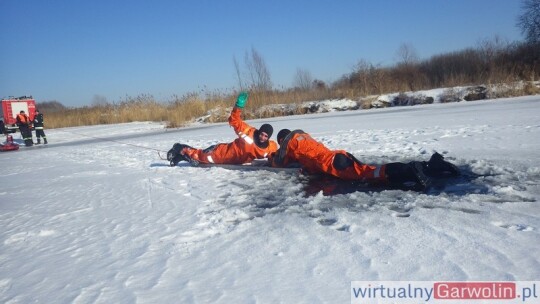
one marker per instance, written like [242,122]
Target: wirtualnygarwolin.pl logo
[445,292]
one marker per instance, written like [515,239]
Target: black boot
[38,141]
[174,155]
[438,167]
[176,148]
[175,160]
[409,176]
[420,174]
[44,140]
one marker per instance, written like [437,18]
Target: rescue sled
[9,145]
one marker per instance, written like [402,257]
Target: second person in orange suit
[298,147]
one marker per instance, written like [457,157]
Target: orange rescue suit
[314,157]
[242,150]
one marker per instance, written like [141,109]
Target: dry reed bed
[181,111]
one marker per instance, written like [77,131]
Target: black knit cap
[266,128]
[282,134]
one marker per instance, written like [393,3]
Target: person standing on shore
[23,122]
[38,126]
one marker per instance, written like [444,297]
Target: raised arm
[235,119]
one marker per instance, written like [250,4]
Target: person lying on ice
[298,147]
[251,143]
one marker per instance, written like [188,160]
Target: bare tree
[378,79]
[407,71]
[492,47]
[303,79]
[491,50]
[407,54]
[257,71]
[238,74]
[529,21]
[361,75]
[255,74]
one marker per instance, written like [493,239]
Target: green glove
[242,99]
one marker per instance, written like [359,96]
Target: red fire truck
[12,106]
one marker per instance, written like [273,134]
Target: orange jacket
[314,157]
[22,119]
[242,150]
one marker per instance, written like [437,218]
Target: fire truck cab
[12,106]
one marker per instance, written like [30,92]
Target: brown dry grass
[180,110]
[515,64]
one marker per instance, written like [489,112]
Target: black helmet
[282,134]
[266,128]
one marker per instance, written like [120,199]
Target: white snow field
[97,217]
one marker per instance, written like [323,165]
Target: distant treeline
[493,62]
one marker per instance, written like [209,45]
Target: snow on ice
[97,217]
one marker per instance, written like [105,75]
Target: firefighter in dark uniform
[23,122]
[3,127]
[38,126]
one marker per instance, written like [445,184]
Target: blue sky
[73,50]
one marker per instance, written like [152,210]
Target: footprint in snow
[327,222]
[516,227]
